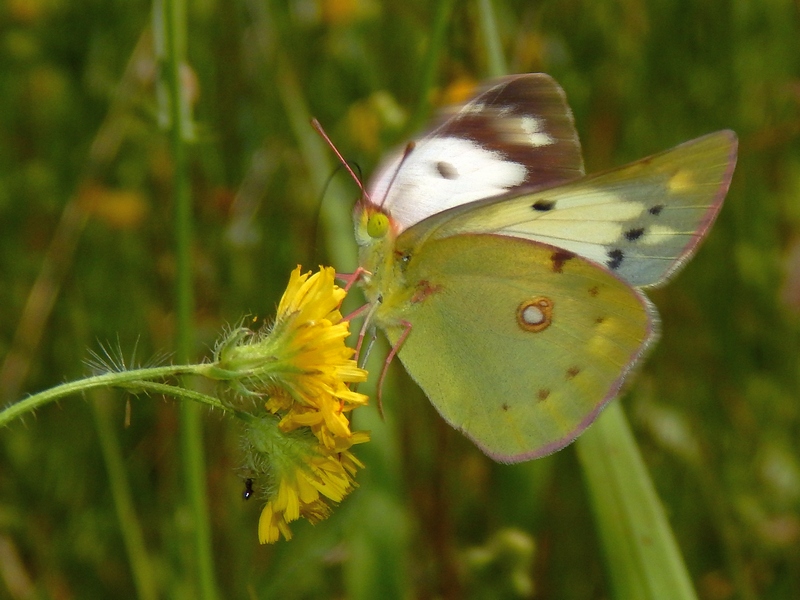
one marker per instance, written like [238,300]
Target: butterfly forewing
[641,221]
[515,344]
[518,133]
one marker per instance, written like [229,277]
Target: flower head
[301,479]
[298,441]
[301,362]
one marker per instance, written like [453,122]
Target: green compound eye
[377,225]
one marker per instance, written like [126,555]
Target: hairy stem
[132,380]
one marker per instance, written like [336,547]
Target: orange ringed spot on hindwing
[536,314]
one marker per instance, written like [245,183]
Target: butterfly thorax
[384,279]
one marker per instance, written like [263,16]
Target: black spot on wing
[543,205]
[656,210]
[446,170]
[634,234]
[615,258]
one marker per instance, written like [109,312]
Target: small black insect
[248,489]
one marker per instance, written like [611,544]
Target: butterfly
[507,281]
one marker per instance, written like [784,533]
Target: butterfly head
[373,224]
[376,234]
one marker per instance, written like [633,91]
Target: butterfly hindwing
[518,133]
[517,344]
[641,221]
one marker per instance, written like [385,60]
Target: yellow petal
[268,532]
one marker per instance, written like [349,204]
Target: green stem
[171,390]
[642,555]
[174,24]
[172,18]
[141,565]
[496,62]
[128,379]
[135,381]
[441,22]
[174,390]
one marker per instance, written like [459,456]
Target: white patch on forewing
[554,232]
[590,204]
[533,127]
[618,212]
[419,191]
[655,234]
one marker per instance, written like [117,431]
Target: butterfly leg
[356,313]
[392,353]
[351,278]
[367,320]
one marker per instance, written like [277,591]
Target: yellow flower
[300,456]
[312,297]
[300,477]
[319,366]
[301,363]
[303,491]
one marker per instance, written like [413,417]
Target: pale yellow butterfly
[507,281]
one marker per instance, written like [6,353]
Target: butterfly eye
[377,225]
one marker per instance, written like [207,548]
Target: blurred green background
[87,258]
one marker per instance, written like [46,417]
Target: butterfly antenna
[318,127]
[318,212]
[409,149]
